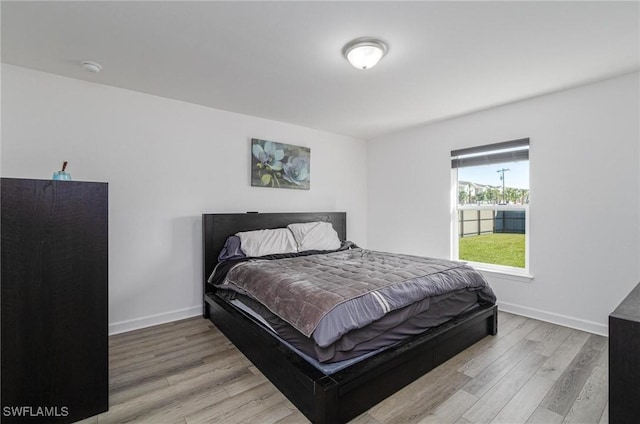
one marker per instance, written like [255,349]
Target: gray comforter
[327,295]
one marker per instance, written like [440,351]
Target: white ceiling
[283,61]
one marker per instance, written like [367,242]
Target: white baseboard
[564,320]
[151,320]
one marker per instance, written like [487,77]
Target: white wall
[167,162]
[584,212]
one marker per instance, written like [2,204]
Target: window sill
[506,274]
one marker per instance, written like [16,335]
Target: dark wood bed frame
[339,397]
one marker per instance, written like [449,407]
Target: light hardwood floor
[532,372]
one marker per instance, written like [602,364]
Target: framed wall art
[280,165]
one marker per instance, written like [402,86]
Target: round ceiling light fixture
[91,66]
[364,53]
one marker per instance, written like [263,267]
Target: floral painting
[279,165]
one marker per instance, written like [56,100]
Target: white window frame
[510,272]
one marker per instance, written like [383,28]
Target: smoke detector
[91,66]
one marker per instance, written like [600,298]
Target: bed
[342,395]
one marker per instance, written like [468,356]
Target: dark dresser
[54,300]
[624,360]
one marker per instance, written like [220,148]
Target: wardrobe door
[54,300]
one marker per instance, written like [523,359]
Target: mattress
[391,329]
[325,368]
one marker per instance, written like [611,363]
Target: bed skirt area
[348,393]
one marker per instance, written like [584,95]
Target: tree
[463,197]
[510,195]
[481,196]
[493,195]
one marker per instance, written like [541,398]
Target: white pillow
[315,236]
[267,242]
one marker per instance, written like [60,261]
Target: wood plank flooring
[532,372]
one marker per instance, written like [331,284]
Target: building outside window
[490,196]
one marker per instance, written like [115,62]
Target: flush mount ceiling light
[91,66]
[364,53]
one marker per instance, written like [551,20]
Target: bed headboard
[217,227]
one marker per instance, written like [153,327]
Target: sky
[516,177]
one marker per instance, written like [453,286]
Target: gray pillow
[231,249]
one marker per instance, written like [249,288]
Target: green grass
[499,249]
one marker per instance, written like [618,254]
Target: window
[490,220]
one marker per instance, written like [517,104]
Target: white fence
[475,220]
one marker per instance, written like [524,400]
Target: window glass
[492,205]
